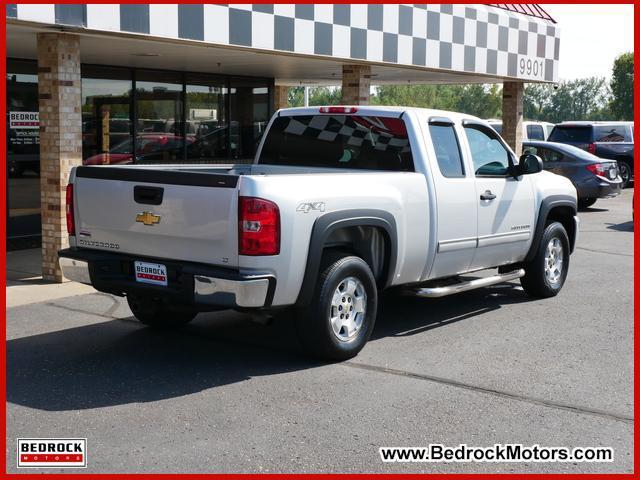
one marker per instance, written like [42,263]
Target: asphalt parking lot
[228,395]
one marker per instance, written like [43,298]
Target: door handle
[487,195]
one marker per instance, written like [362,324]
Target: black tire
[625,173]
[535,281]
[313,323]
[155,313]
[586,202]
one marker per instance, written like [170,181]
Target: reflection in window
[611,133]
[488,154]
[447,150]
[176,117]
[339,141]
[207,128]
[106,119]
[249,114]
[160,127]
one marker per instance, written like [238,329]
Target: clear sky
[591,37]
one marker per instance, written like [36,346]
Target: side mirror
[529,164]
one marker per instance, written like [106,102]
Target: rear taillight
[597,169]
[258,227]
[591,148]
[71,224]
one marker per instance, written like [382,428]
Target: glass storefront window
[131,115]
[160,127]
[23,149]
[207,122]
[106,117]
[249,115]
[174,117]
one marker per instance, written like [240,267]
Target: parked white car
[530,130]
[341,203]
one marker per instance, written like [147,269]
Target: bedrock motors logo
[52,452]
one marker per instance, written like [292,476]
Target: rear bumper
[202,286]
[596,188]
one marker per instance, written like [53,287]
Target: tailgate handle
[148,195]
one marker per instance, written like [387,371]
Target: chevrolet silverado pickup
[339,204]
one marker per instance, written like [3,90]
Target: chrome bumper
[238,291]
[218,291]
[75,270]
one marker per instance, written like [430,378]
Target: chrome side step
[435,292]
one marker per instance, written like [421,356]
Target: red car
[149,146]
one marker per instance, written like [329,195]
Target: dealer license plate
[153,273]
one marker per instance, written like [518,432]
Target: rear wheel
[339,321]
[546,272]
[154,313]
[625,173]
[586,202]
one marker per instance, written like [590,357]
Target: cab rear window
[338,141]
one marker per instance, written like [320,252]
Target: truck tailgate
[163,213]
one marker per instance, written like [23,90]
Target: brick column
[512,111]
[60,138]
[356,84]
[280,97]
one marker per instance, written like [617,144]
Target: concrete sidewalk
[25,284]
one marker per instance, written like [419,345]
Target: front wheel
[546,272]
[154,313]
[339,321]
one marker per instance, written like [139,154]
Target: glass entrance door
[23,153]
[160,126]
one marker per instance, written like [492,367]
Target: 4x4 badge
[147,218]
[307,207]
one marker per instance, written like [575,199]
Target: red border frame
[3,338]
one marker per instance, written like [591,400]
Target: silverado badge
[147,218]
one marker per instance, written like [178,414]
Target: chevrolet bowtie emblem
[147,218]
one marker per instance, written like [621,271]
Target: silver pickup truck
[340,203]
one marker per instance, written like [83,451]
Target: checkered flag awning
[474,38]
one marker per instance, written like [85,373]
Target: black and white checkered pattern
[477,39]
[355,131]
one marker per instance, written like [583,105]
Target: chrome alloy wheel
[348,309]
[553,261]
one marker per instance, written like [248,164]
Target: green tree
[581,99]
[537,101]
[622,87]
[318,96]
[484,101]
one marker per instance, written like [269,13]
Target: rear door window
[611,133]
[445,143]
[338,141]
[567,134]
[535,132]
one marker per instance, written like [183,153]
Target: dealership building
[108,83]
